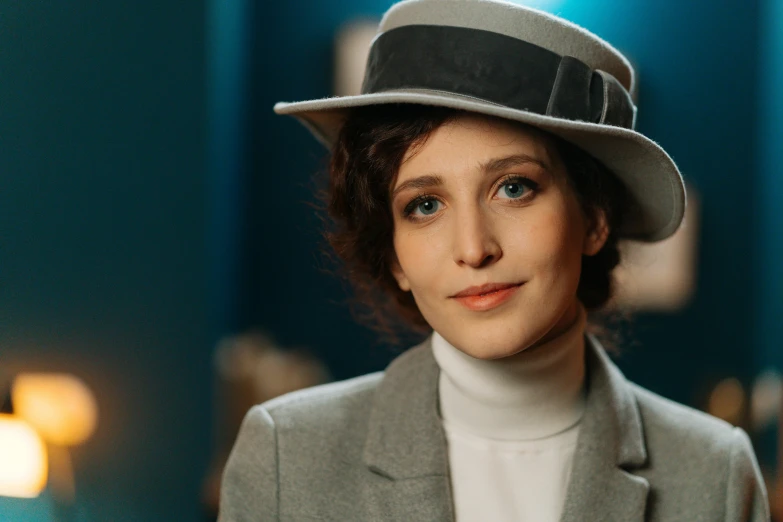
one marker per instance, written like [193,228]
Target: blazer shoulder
[325,404]
[692,453]
[669,419]
[290,446]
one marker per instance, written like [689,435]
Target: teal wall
[768,212]
[769,195]
[102,238]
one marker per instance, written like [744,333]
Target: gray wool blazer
[373,448]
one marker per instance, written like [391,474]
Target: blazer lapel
[406,444]
[610,443]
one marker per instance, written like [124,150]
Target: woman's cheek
[414,257]
[539,242]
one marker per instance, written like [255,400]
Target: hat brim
[652,179]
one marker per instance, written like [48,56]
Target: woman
[481,183]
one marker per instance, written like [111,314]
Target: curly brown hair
[363,166]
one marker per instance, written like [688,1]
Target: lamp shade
[23,459]
[59,406]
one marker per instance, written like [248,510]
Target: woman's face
[489,236]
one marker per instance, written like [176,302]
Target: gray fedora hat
[514,62]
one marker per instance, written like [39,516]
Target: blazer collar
[610,443]
[405,438]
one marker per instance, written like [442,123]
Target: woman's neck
[533,394]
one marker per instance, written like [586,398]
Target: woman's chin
[489,346]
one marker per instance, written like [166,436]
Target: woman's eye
[421,206]
[428,206]
[513,189]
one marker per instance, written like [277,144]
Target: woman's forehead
[473,142]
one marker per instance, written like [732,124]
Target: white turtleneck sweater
[511,426]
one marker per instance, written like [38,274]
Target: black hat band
[498,69]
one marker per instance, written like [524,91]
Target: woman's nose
[475,244]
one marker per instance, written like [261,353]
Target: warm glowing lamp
[23,459]
[59,406]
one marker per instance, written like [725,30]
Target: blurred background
[160,257]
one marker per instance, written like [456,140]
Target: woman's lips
[490,298]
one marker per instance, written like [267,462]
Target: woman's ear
[399,275]
[597,233]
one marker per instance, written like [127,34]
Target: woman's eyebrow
[418,183]
[498,164]
[490,166]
